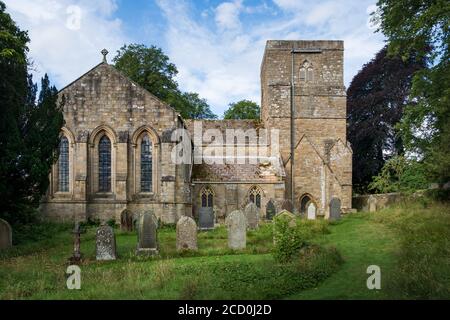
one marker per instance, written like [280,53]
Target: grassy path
[361,242]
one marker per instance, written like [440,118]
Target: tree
[28,131]
[422,27]
[400,174]
[376,98]
[244,109]
[195,107]
[151,68]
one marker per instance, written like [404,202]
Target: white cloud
[223,63]
[64,44]
[227,15]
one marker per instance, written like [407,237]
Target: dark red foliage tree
[375,101]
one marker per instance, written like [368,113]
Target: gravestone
[147,234]
[206,218]
[287,205]
[5,235]
[311,209]
[186,234]
[77,256]
[252,215]
[283,215]
[335,209]
[270,210]
[126,220]
[372,202]
[135,220]
[105,244]
[287,215]
[237,230]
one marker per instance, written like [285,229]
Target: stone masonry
[105,103]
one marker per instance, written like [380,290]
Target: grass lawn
[409,243]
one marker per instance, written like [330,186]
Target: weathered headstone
[287,205]
[135,220]
[105,244]
[335,209]
[270,210]
[252,216]
[372,202]
[186,234]
[126,220]
[283,215]
[311,209]
[287,215]
[206,218]
[237,230]
[147,234]
[5,235]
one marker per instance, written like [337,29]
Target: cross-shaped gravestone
[77,256]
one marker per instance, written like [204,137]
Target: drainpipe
[292,128]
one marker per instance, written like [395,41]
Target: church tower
[303,95]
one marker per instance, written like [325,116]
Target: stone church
[116,146]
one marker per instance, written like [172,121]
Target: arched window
[104,165]
[63,165]
[207,198]
[255,196]
[146,164]
[307,72]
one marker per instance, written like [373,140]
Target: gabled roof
[114,70]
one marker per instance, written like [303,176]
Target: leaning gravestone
[287,205]
[206,218]
[252,216]
[126,220]
[186,234]
[372,202]
[311,208]
[105,244]
[237,230]
[5,235]
[270,210]
[147,234]
[335,209]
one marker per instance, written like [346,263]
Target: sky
[217,46]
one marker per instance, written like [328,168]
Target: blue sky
[216,45]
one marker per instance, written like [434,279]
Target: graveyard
[331,265]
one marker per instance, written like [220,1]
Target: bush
[23,234]
[111,223]
[288,239]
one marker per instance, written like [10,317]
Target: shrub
[288,239]
[111,223]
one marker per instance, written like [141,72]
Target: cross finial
[105,53]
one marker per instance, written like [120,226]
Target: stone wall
[103,102]
[323,158]
[381,201]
